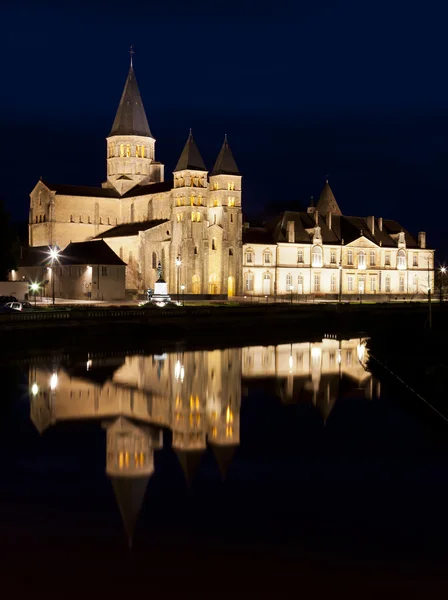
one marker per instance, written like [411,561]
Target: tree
[9,244]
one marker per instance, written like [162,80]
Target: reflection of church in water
[195,394]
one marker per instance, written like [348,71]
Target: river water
[119,472]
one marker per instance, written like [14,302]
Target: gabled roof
[95,252]
[82,190]
[149,188]
[130,229]
[343,230]
[131,117]
[327,202]
[225,163]
[34,256]
[190,157]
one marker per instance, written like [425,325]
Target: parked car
[19,305]
[5,299]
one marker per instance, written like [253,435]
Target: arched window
[108,220]
[101,220]
[350,257]
[231,185]
[198,217]
[192,200]
[401,259]
[128,149]
[122,150]
[362,260]
[215,201]
[288,281]
[143,151]
[249,282]
[193,216]
[199,200]
[230,252]
[89,220]
[231,201]
[72,220]
[196,250]
[80,218]
[154,260]
[317,256]
[214,219]
[214,244]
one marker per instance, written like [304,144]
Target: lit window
[198,217]
[249,256]
[333,283]
[317,283]
[300,255]
[373,284]
[137,151]
[231,201]
[300,283]
[333,257]
[362,260]
[387,284]
[121,150]
[350,283]
[288,281]
[128,149]
[231,185]
[215,201]
[199,200]
[142,151]
[193,216]
[401,259]
[249,282]
[387,259]
[215,185]
[178,201]
[415,260]
[317,256]
[372,258]
[192,201]
[401,284]
[350,257]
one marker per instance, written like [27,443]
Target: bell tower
[130,144]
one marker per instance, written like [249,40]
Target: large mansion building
[193,225]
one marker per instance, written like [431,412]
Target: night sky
[354,90]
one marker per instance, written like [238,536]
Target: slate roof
[149,188]
[130,229]
[346,229]
[190,157]
[95,252]
[131,117]
[82,190]
[327,202]
[130,493]
[225,163]
[34,256]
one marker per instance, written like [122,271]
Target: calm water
[281,460]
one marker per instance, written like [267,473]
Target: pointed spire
[131,117]
[190,157]
[130,493]
[189,461]
[327,202]
[225,163]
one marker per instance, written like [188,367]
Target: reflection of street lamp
[178,265]
[290,289]
[442,273]
[34,288]
[340,282]
[54,253]
[182,287]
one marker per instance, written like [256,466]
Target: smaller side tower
[226,222]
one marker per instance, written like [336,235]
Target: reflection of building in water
[319,372]
[195,394]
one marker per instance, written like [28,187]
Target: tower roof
[225,163]
[327,202]
[130,492]
[190,157]
[131,117]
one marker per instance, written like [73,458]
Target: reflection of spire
[224,456]
[130,492]
[189,461]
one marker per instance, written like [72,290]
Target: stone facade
[201,214]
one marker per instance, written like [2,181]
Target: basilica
[191,224]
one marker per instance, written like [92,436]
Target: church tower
[130,144]
[226,226]
[190,220]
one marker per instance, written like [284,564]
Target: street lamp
[178,265]
[290,289]
[34,288]
[182,287]
[54,254]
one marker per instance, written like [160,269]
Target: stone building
[322,252]
[83,271]
[195,217]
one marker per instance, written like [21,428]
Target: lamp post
[178,265]
[54,253]
[290,289]
[442,273]
[34,288]
[182,287]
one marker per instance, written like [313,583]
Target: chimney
[329,220]
[290,231]
[422,239]
[316,217]
[380,223]
[371,224]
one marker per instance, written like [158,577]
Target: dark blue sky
[356,90]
